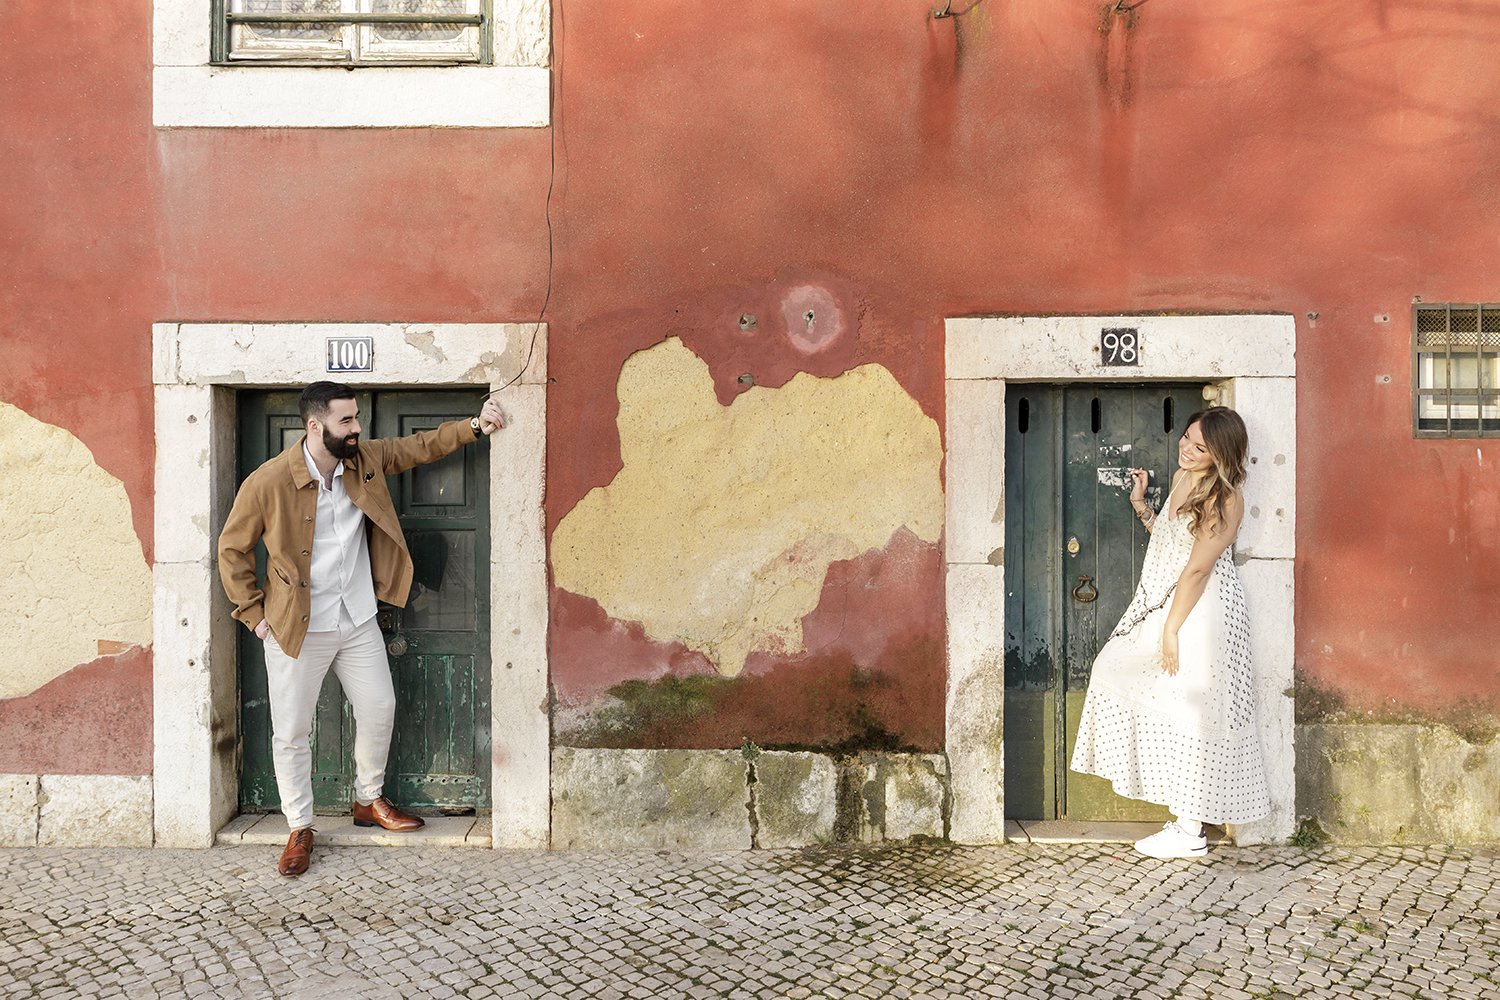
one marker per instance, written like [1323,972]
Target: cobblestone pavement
[1014,921]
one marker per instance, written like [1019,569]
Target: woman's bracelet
[1145,513]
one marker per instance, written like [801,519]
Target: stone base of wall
[1396,783]
[733,800]
[1358,783]
[75,810]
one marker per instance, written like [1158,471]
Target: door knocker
[1085,592]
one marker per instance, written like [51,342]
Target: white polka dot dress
[1189,741]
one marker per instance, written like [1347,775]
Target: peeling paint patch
[423,340]
[485,370]
[72,574]
[94,719]
[721,525]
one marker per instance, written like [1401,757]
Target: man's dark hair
[316,397]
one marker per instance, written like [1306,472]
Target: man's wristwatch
[474,426]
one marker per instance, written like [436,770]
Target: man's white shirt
[340,574]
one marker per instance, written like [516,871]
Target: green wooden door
[440,649]
[1073,557]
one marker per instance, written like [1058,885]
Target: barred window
[1456,370]
[352,32]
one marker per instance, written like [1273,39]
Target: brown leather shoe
[381,812]
[298,853]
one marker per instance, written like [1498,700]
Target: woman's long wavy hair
[1227,441]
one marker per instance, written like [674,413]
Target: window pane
[420,32]
[315,41]
[420,42]
[1432,408]
[442,589]
[282,32]
[1460,371]
[439,483]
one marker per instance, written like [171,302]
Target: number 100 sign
[351,354]
[1120,347]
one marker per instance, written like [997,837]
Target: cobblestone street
[1019,920]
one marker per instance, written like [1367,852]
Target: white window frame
[188,91]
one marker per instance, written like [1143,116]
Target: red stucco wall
[1334,157]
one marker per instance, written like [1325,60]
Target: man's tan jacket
[279,503]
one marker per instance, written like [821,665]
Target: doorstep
[258,829]
[1072,831]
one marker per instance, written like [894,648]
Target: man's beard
[341,448]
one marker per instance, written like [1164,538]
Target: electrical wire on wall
[556,108]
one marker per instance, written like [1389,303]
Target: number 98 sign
[1120,347]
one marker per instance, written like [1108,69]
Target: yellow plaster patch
[73,580]
[719,529]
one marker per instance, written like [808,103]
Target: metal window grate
[1460,326]
[1456,370]
[353,32]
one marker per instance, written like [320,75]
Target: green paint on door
[1073,558]
[440,752]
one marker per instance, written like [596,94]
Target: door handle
[398,645]
[1084,592]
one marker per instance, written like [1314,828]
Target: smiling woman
[1170,715]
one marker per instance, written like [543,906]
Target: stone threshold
[262,829]
[1072,831]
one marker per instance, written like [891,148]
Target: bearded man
[334,547]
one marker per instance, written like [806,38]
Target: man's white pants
[357,655]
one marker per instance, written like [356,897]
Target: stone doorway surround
[1250,361]
[197,369]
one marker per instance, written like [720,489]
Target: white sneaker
[1173,842]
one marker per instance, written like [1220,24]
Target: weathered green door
[1073,553]
[439,643]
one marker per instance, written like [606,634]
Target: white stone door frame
[1251,359]
[197,369]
